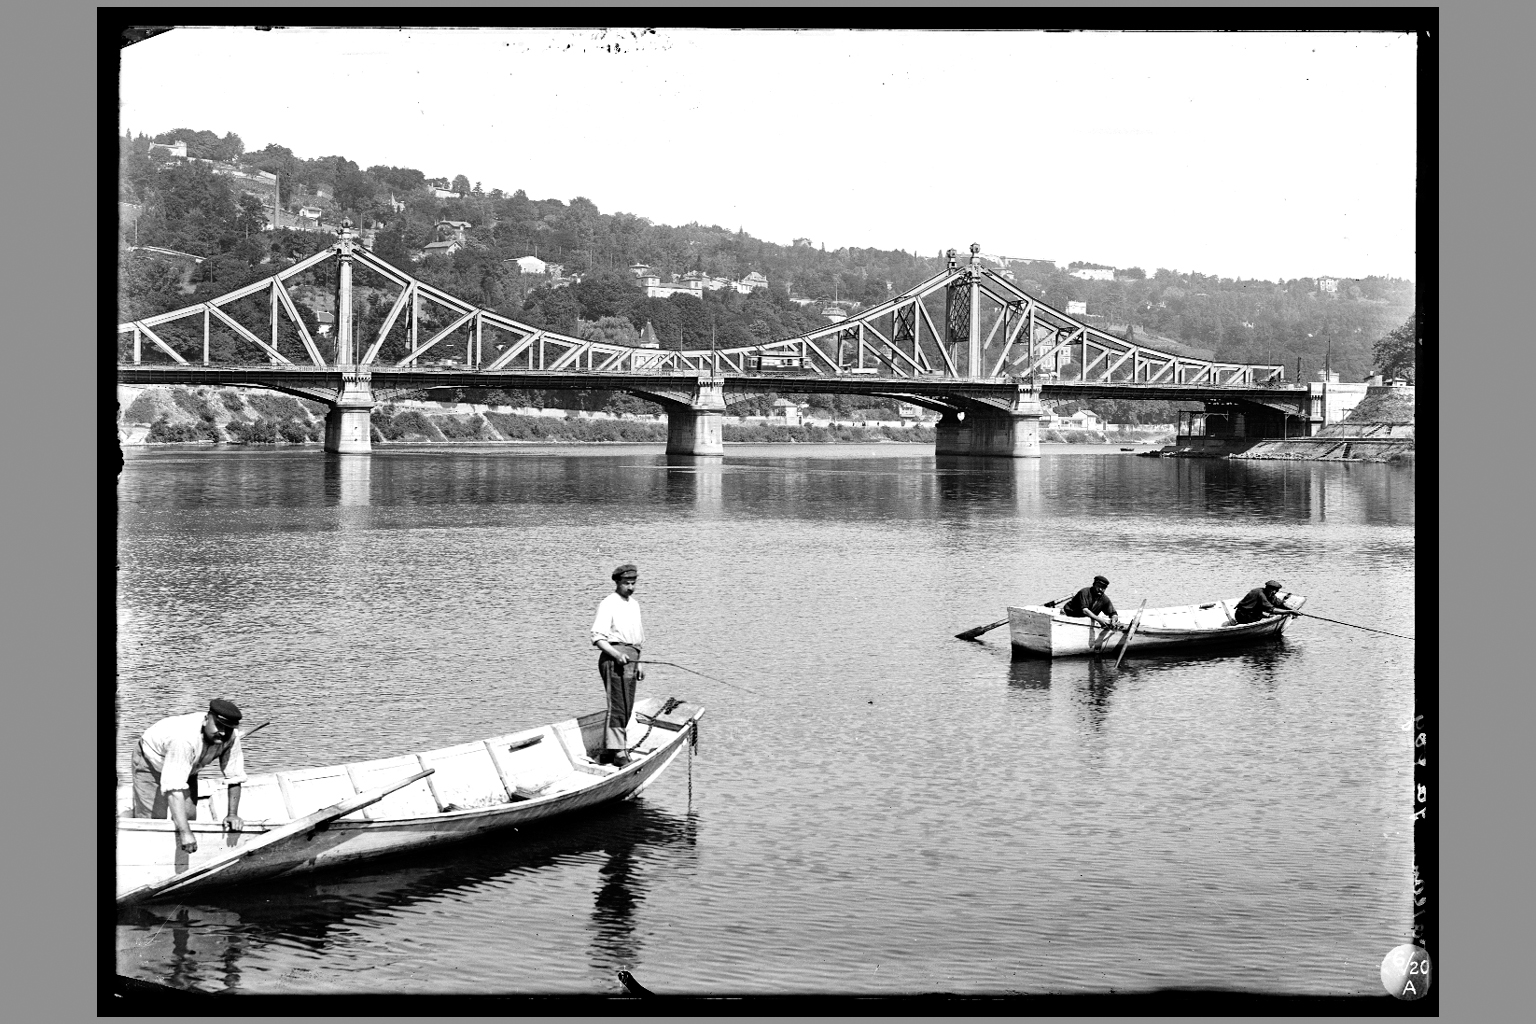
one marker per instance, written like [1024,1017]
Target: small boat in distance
[311,818]
[1038,631]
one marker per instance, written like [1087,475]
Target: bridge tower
[348,425]
[1008,427]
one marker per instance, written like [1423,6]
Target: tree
[460,184]
[251,214]
[1397,353]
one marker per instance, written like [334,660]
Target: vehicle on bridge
[778,362]
[310,818]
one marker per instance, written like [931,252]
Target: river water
[875,807]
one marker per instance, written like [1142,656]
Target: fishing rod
[1341,622]
[685,668]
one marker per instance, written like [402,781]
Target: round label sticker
[1405,972]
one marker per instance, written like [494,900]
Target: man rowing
[166,761]
[1260,602]
[1092,603]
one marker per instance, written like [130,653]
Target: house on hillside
[445,247]
[443,193]
[1076,307]
[1328,285]
[1094,273]
[451,230]
[531,265]
[309,216]
[176,149]
[751,283]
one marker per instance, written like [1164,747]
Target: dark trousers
[1242,616]
[619,687]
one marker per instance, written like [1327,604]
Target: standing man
[166,761]
[1259,602]
[1093,603]
[617,632]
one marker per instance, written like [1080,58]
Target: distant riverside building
[1075,307]
[751,283]
[177,148]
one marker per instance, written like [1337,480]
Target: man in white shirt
[617,632]
[168,756]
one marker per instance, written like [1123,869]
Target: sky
[1244,155]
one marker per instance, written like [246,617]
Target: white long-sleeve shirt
[174,747]
[618,621]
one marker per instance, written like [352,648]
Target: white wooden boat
[1038,631]
[310,818]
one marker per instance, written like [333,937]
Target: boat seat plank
[414,801]
[465,777]
[530,768]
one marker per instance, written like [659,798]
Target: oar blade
[972,634]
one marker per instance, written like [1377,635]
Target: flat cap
[1272,585]
[1102,581]
[224,709]
[626,571]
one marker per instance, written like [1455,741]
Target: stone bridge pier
[695,427]
[348,423]
[1011,433]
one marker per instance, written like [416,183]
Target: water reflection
[347,479]
[204,945]
[695,480]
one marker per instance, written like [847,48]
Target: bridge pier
[348,423]
[1012,433]
[696,428]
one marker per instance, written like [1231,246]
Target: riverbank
[179,415]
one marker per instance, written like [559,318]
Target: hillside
[209,211]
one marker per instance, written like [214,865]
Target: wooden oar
[972,634]
[1340,622]
[1125,644]
[310,821]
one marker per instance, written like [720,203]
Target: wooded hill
[189,207]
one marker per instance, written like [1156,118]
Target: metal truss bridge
[993,353]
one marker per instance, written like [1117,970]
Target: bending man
[1260,602]
[166,761]
[1092,603]
[618,633]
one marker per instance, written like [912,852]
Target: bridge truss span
[988,329]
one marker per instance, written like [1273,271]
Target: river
[875,807]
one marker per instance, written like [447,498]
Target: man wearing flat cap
[618,634]
[1259,602]
[166,762]
[1092,603]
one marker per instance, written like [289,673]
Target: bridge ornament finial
[951,256]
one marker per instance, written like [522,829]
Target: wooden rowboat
[1038,631]
[311,818]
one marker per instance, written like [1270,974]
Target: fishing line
[685,668]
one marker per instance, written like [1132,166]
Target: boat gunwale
[601,779]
